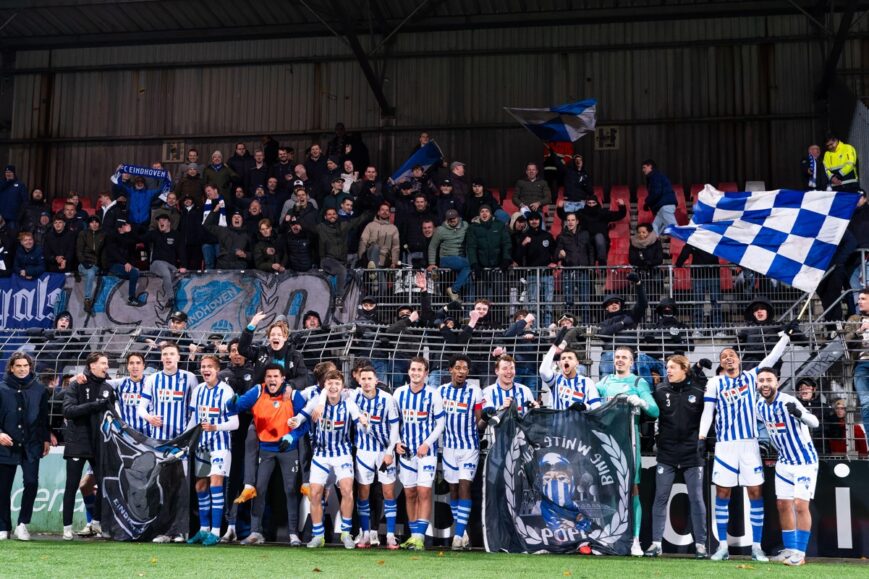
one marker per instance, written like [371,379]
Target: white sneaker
[179,539]
[347,539]
[162,539]
[4,535]
[758,555]
[97,528]
[374,538]
[253,539]
[229,536]
[295,541]
[316,542]
[67,533]
[466,541]
[457,544]
[21,532]
[783,556]
[722,554]
[636,550]
[86,531]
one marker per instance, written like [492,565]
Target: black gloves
[633,277]
[701,447]
[705,363]
[793,410]
[505,265]
[792,327]
[490,416]
[578,406]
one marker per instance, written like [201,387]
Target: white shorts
[324,466]
[460,464]
[368,464]
[795,481]
[417,471]
[737,464]
[212,463]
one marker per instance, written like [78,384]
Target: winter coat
[596,219]
[668,335]
[488,244]
[263,355]
[540,252]
[59,244]
[89,247]
[83,408]
[661,192]
[447,241]
[577,247]
[230,239]
[646,253]
[261,258]
[383,234]
[24,417]
[528,192]
[614,324]
[577,184]
[681,407]
[32,262]
[473,204]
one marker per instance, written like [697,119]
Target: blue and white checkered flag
[787,235]
[559,124]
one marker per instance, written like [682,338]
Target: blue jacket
[32,262]
[24,417]
[138,200]
[660,191]
[13,196]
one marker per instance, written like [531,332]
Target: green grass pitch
[52,558]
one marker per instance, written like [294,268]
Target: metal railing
[814,353]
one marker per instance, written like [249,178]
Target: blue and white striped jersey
[129,395]
[789,435]
[332,437]
[381,414]
[460,423]
[169,398]
[210,405]
[567,391]
[494,396]
[735,402]
[422,416]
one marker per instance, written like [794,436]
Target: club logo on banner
[565,480]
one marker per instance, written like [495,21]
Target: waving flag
[787,235]
[425,157]
[559,124]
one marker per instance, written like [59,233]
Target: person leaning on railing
[857,338]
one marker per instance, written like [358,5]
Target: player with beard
[567,388]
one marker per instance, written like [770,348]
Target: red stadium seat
[726,276]
[598,191]
[681,207]
[728,186]
[57,204]
[695,189]
[555,228]
[616,279]
[623,226]
[643,215]
[681,275]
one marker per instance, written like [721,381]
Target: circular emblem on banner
[545,243]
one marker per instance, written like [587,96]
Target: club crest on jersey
[692,399]
[166,395]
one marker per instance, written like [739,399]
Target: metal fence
[816,353]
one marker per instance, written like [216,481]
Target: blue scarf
[208,206]
[813,167]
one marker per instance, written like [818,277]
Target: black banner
[144,489]
[557,481]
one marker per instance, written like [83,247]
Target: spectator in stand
[646,254]
[332,248]
[459,181]
[350,174]
[301,247]
[423,140]
[617,322]
[705,279]
[574,249]
[75,199]
[807,394]
[214,203]
[668,336]
[190,228]
[489,253]
[662,199]
[333,169]
[532,193]
[241,162]
[303,208]
[192,159]
[523,349]
[858,263]
[595,219]
[410,232]
[368,193]
[235,246]
[812,169]
[138,198]
[190,184]
[284,169]
[271,148]
[89,251]
[170,209]
[577,185]
[29,259]
[379,244]
[481,196]
[119,246]
[857,339]
[6,249]
[537,251]
[315,164]
[59,247]
[272,200]
[24,439]
[257,174]
[336,195]
[111,210]
[518,226]
[13,198]
[167,252]
[448,243]
[268,255]
[220,175]
[553,169]
[840,164]
[762,333]
[31,211]
[447,200]
[401,197]
[252,216]
[39,230]
[840,437]
[74,222]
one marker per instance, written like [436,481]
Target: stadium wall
[711,100]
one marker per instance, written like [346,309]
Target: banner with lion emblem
[560,482]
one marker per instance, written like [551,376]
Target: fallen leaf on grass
[153,560]
[414,558]
[381,562]
[567,573]
[440,553]
[316,570]
[744,566]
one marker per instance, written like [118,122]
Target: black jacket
[577,184]
[118,248]
[681,406]
[59,244]
[577,247]
[24,417]
[240,378]
[261,356]
[168,247]
[539,252]
[83,408]
[616,323]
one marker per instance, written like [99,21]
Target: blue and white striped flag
[558,124]
[787,235]
[425,157]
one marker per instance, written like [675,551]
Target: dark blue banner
[29,303]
